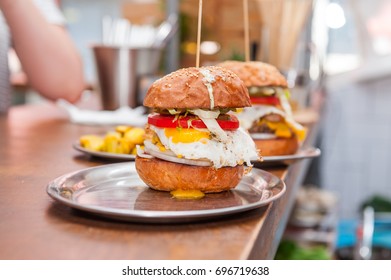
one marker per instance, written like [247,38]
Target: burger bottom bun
[277,146]
[168,176]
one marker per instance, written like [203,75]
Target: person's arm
[47,54]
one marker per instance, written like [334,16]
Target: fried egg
[200,144]
[249,115]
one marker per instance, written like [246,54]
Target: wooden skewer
[246,31]
[199,33]
[277,9]
[266,10]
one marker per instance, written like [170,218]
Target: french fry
[123,129]
[121,141]
[92,142]
[135,135]
[112,142]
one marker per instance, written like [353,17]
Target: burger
[194,143]
[269,120]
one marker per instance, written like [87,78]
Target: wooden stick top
[246,31]
[199,33]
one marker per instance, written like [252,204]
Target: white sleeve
[51,11]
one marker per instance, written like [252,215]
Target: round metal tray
[116,191]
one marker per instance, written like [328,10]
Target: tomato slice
[267,100]
[226,122]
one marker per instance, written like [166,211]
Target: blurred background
[336,55]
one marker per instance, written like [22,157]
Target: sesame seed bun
[187,88]
[256,73]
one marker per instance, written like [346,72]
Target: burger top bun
[256,73]
[198,88]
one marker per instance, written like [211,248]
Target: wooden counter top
[36,147]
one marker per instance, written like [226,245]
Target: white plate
[112,156]
[116,191]
[303,153]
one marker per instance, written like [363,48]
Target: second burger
[269,120]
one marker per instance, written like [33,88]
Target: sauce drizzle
[208,80]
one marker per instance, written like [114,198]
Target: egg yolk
[301,133]
[282,129]
[187,194]
[185,135]
[156,141]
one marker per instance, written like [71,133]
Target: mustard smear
[187,194]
